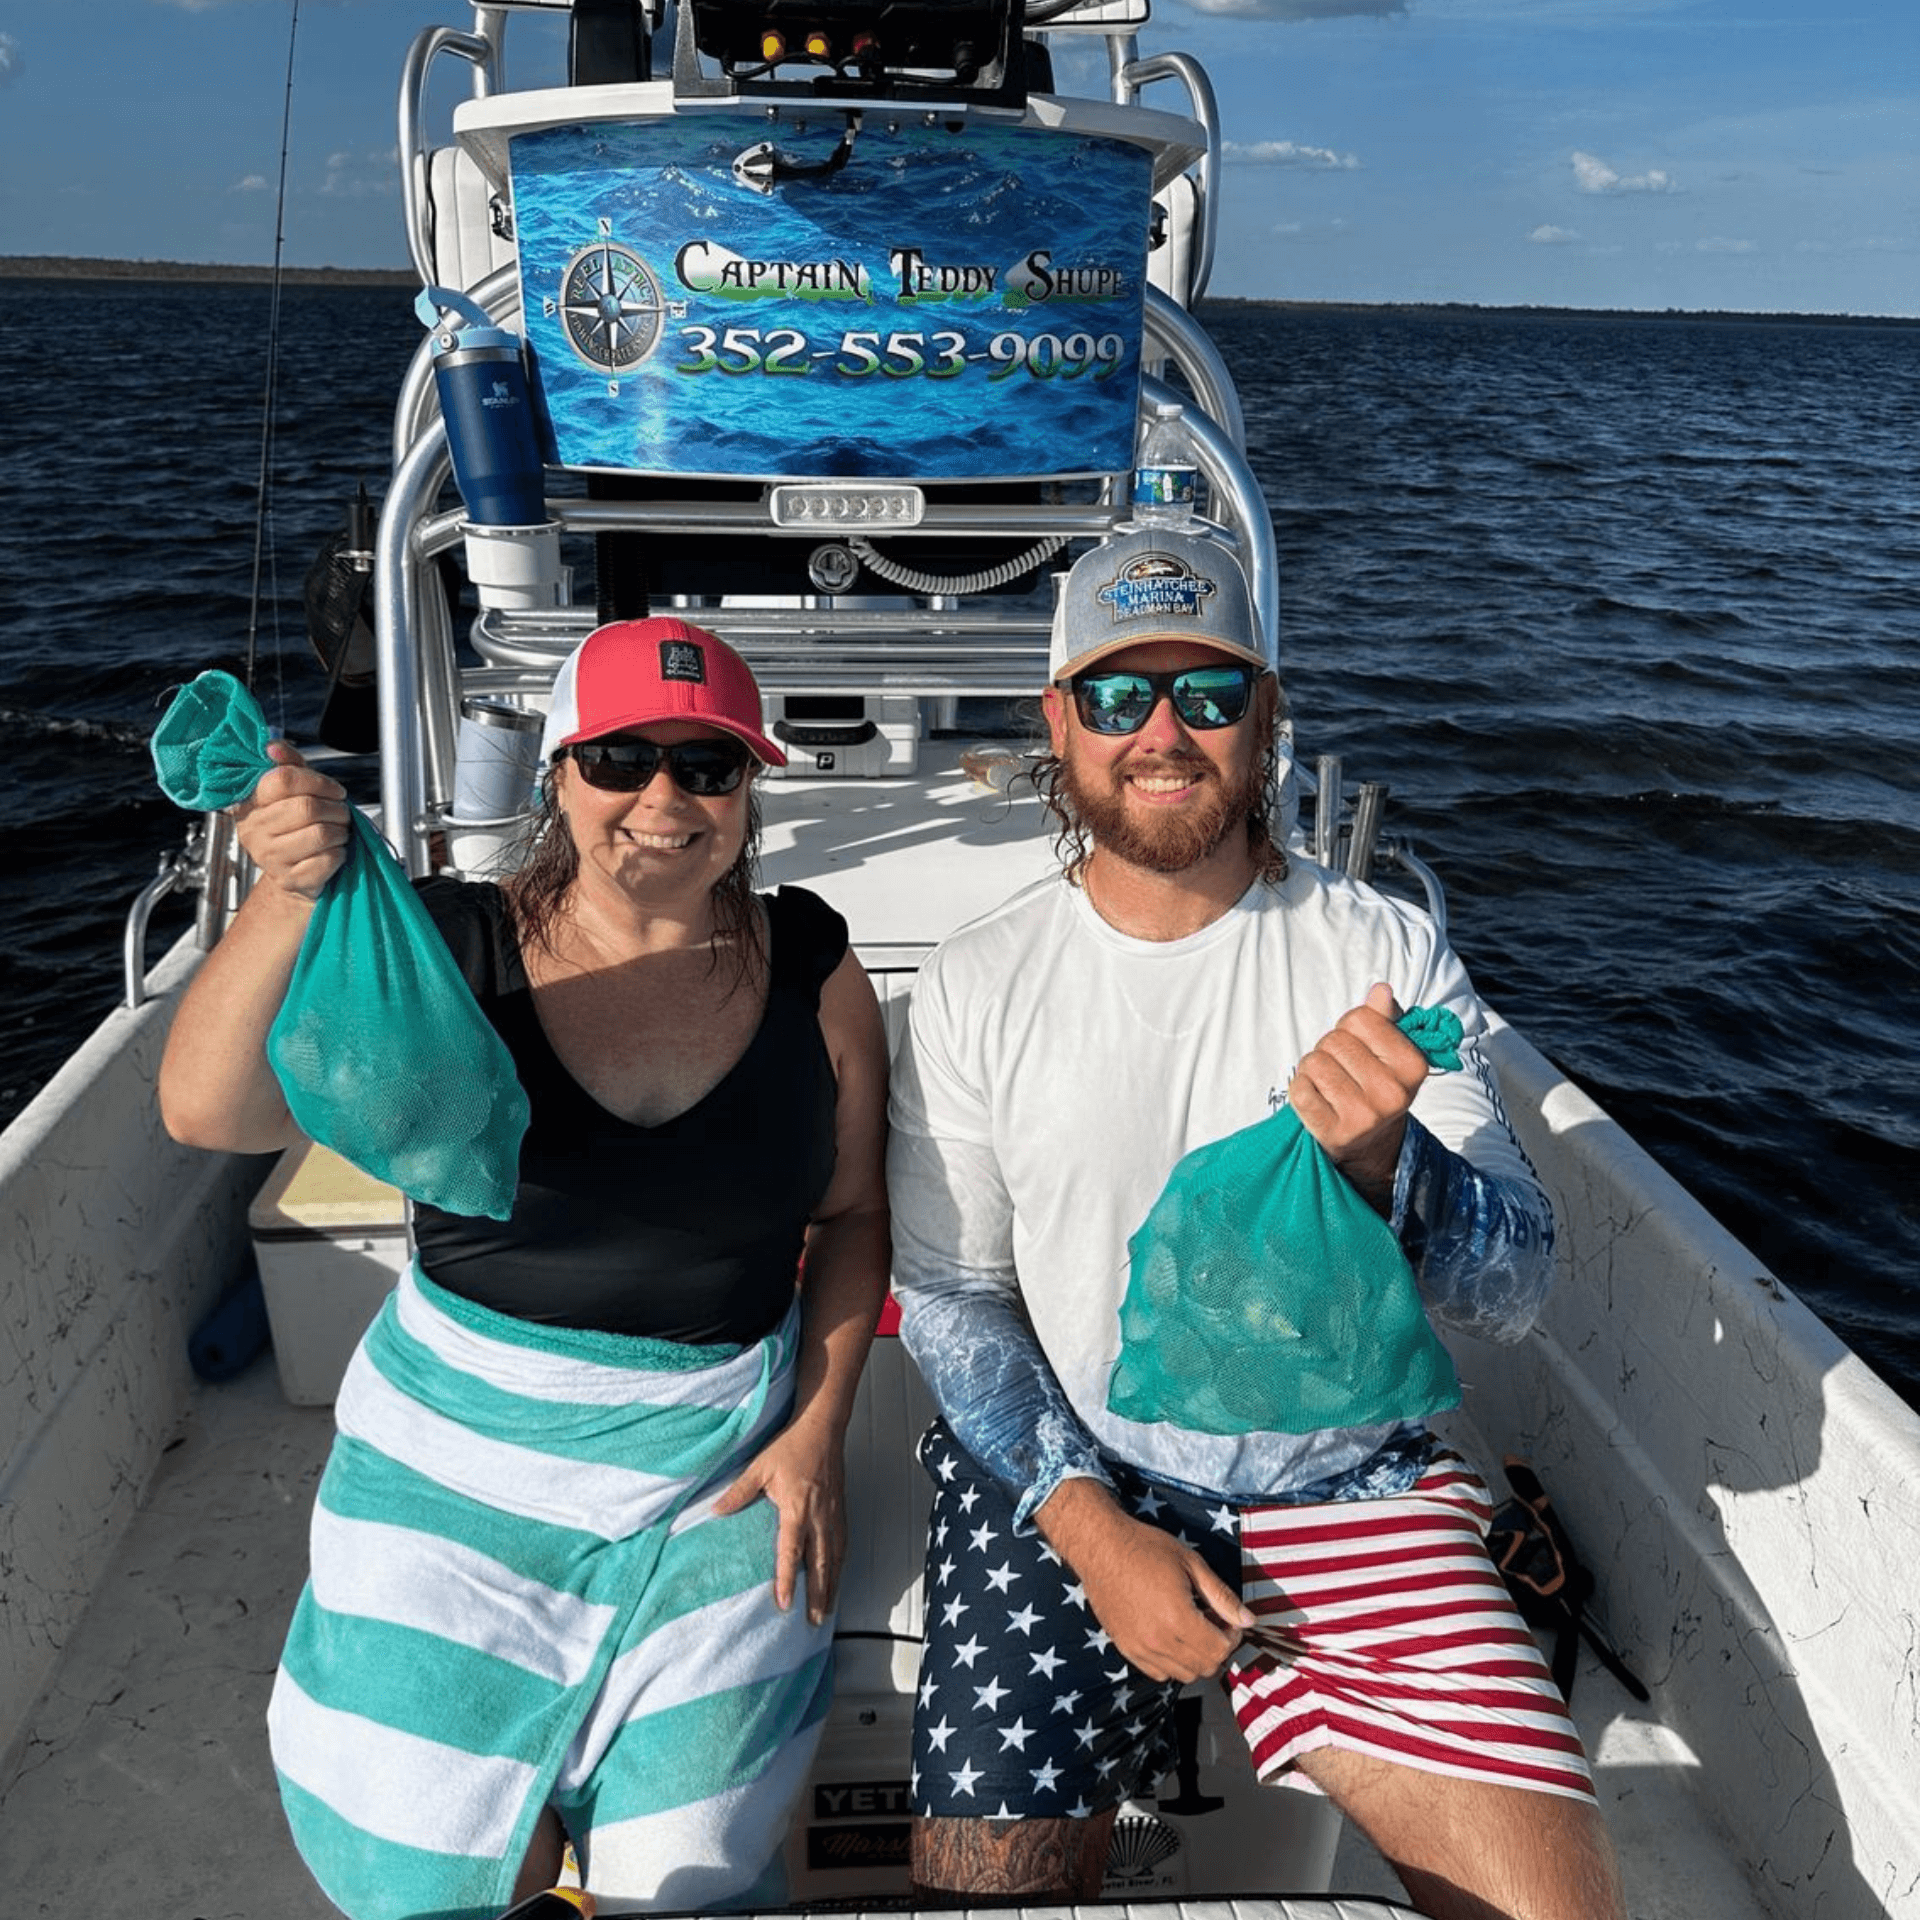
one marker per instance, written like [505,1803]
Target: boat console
[839,333]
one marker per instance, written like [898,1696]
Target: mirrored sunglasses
[704,768]
[1119,700]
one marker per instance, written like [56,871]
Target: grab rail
[1199,364]
[207,862]
[1246,512]
[1127,84]
[479,51]
[1399,854]
[399,555]
[134,942]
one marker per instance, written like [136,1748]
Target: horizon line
[63,266]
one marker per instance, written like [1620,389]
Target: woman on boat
[575,1551]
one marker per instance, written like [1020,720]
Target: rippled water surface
[1627,612]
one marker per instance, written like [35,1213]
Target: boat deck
[144,1787]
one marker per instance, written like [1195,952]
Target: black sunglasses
[1120,701]
[703,768]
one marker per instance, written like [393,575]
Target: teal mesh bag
[380,1047]
[1265,1296]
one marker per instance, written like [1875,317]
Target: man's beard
[1169,842]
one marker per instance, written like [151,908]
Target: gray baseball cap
[1155,584]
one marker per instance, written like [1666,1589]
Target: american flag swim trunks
[1383,1628]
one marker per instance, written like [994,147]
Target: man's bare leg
[1010,1862]
[1471,1850]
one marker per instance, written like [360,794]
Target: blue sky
[1760,155]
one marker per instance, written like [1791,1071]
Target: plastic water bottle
[1165,478]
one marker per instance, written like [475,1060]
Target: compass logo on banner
[611,307]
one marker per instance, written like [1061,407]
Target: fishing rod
[263,497]
[208,861]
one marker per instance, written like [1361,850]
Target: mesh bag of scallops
[1265,1296]
[380,1047]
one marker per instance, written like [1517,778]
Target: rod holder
[1326,809]
[1369,808]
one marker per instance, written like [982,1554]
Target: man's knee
[1474,1850]
[1010,1862]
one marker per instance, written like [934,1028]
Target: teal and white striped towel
[520,1594]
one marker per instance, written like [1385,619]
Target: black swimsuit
[690,1230]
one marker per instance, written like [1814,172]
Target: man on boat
[1105,1527]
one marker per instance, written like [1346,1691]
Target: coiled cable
[917,580]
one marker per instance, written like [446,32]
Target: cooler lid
[313,1190]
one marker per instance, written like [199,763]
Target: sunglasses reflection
[1121,700]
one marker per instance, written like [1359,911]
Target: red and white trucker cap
[635,672]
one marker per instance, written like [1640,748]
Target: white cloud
[1591,174]
[355,175]
[12,62]
[1302,230]
[1547,236]
[1288,153]
[1298,9]
[253,183]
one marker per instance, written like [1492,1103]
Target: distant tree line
[56,266]
[1469,310]
[59,266]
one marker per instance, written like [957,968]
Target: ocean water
[1625,611]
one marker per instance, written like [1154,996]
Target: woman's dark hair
[1048,774]
[536,892]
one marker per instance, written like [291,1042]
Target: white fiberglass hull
[1746,1491]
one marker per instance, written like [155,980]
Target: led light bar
[846,506]
[970,50]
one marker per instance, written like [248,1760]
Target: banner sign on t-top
[948,304]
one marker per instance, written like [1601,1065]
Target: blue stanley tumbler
[482,379]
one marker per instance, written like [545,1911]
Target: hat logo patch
[682,660]
[1158,588]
